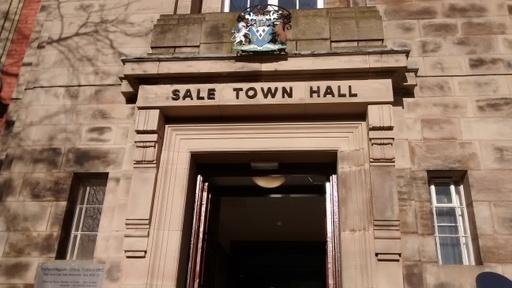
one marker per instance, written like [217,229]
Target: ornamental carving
[261,28]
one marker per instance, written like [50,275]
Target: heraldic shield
[261,28]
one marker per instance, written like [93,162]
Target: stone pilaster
[148,140]
[355,219]
[386,218]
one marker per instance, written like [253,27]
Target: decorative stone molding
[380,134]
[382,151]
[386,218]
[149,126]
[387,240]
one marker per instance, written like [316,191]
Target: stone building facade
[92,100]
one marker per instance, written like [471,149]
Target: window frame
[458,202]
[75,208]
[226,4]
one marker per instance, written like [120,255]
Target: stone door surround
[370,235]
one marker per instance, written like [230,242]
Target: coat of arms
[261,28]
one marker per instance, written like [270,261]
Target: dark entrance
[272,228]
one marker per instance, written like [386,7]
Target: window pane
[237,5]
[91,219]
[304,4]
[86,246]
[258,2]
[446,215]
[96,195]
[443,194]
[448,230]
[451,252]
[288,4]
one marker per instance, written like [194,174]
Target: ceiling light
[270,181]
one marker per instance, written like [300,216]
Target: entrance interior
[262,224]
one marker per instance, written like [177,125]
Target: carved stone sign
[69,274]
[367,91]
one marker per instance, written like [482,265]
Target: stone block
[216,48]
[441,128]
[49,135]
[496,155]
[481,85]
[489,64]
[30,244]
[502,217]
[409,247]
[24,216]
[439,28]
[57,216]
[427,248]
[18,270]
[474,45]
[483,218]
[114,271]
[55,114]
[413,275]
[412,11]
[434,87]
[313,45]
[93,159]
[187,50]
[506,43]
[487,128]
[419,183]
[97,134]
[495,249]
[102,114]
[407,128]
[493,107]
[9,186]
[408,217]
[431,46]
[428,107]
[403,185]
[36,159]
[179,34]
[402,155]
[218,30]
[369,24]
[405,29]
[462,9]
[444,155]
[424,218]
[385,200]
[309,24]
[484,27]
[448,65]
[491,185]
[46,187]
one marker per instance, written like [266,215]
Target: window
[451,224]
[239,5]
[82,217]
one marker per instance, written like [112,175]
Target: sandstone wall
[459,119]
[71,117]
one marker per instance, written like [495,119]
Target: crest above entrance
[261,28]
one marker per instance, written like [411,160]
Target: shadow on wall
[77,51]
[89,34]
